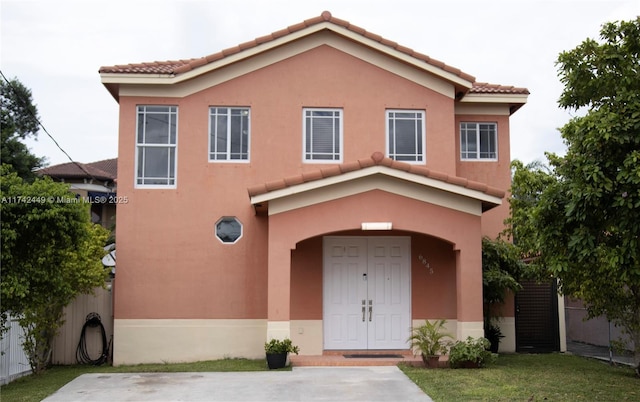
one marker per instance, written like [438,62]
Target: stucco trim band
[186,340]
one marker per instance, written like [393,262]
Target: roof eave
[515,101]
[261,201]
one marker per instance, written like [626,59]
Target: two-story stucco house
[320,183]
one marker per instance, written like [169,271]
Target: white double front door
[366,292]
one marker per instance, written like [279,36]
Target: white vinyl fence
[13,360]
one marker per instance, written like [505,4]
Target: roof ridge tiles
[404,166]
[331,171]
[181,66]
[349,167]
[366,162]
[376,159]
[496,192]
[294,180]
[275,185]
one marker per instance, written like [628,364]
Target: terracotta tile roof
[181,66]
[377,158]
[106,170]
[155,67]
[485,88]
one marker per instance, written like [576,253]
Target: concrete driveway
[301,384]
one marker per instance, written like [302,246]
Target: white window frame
[172,112]
[227,152]
[422,156]
[307,156]
[464,156]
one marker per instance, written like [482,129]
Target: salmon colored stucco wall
[306,280]
[494,173]
[497,174]
[170,264]
[433,287]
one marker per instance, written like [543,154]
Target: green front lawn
[530,377]
[546,377]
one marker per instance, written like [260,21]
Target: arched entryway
[390,202]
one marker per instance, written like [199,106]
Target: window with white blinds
[406,135]
[478,141]
[229,134]
[322,135]
[156,144]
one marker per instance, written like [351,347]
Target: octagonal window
[228,229]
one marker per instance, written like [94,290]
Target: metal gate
[537,327]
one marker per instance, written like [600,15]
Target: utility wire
[24,103]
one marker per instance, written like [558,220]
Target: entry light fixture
[376,225]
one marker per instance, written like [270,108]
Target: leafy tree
[18,121]
[51,252]
[502,269]
[528,182]
[586,224]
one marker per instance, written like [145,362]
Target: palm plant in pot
[277,351]
[429,340]
[494,334]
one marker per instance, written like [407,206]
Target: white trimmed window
[322,135]
[229,134]
[478,141]
[406,135]
[156,143]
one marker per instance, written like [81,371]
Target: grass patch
[530,377]
[526,377]
[34,388]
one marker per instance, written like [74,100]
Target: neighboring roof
[280,188]
[465,83]
[106,170]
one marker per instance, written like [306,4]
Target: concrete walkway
[301,384]
[599,352]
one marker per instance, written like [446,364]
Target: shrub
[280,346]
[471,351]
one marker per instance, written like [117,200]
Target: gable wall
[170,264]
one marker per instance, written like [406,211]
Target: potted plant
[429,339]
[470,353]
[493,333]
[277,351]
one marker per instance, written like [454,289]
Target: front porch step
[403,352]
[336,358]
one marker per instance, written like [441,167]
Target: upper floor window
[322,140]
[156,142]
[406,135]
[478,141]
[229,134]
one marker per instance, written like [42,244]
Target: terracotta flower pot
[431,361]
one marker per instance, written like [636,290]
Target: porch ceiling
[374,173]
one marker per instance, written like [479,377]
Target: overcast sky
[55,48]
